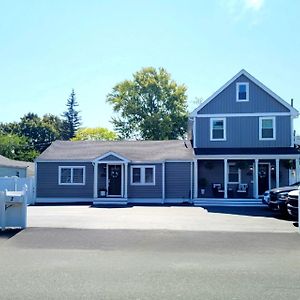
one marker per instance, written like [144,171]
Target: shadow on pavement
[246,211]
[9,233]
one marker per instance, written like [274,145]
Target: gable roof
[137,151]
[293,111]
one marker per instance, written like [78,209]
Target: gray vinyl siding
[110,158]
[259,101]
[243,132]
[47,181]
[146,191]
[178,180]
[12,171]
[101,176]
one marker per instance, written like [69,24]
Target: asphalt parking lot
[79,252]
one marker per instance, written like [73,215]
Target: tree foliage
[93,134]
[151,106]
[15,147]
[72,120]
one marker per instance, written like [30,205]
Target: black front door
[263,178]
[114,180]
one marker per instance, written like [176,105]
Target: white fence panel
[18,184]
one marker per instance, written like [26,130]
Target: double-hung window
[242,91]
[68,175]
[217,129]
[267,128]
[142,175]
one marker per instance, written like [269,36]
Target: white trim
[194,132]
[225,178]
[211,129]
[239,173]
[277,172]
[191,187]
[255,175]
[122,179]
[292,132]
[95,180]
[238,84]
[142,170]
[62,161]
[178,161]
[126,180]
[163,181]
[71,168]
[195,178]
[243,115]
[292,110]
[122,158]
[260,128]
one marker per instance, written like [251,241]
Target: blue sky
[49,47]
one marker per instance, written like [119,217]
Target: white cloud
[254,4]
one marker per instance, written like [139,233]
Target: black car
[278,197]
[292,203]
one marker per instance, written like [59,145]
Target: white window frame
[238,84]
[239,174]
[143,171]
[260,128]
[72,170]
[224,129]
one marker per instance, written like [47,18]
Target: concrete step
[229,202]
[110,201]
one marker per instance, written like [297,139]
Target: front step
[110,201]
[229,202]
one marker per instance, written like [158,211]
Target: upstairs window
[71,175]
[267,128]
[242,91]
[217,129]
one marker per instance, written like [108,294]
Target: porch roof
[132,150]
[247,151]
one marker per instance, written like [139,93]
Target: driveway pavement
[188,218]
[78,252]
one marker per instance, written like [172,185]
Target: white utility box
[13,209]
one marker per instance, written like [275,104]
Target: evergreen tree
[72,120]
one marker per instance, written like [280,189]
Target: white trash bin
[13,209]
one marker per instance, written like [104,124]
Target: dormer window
[242,91]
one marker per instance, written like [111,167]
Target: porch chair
[242,190]
[217,189]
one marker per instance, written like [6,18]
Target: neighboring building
[242,145]
[10,167]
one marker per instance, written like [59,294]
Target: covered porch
[243,176]
[111,177]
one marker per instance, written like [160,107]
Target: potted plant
[203,184]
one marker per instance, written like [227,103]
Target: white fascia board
[292,110]
[111,153]
[63,161]
[244,115]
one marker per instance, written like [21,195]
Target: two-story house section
[243,139]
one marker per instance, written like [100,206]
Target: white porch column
[191,181]
[255,179]
[163,182]
[126,181]
[225,178]
[277,172]
[96,180]
[297,170]
[195,178]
